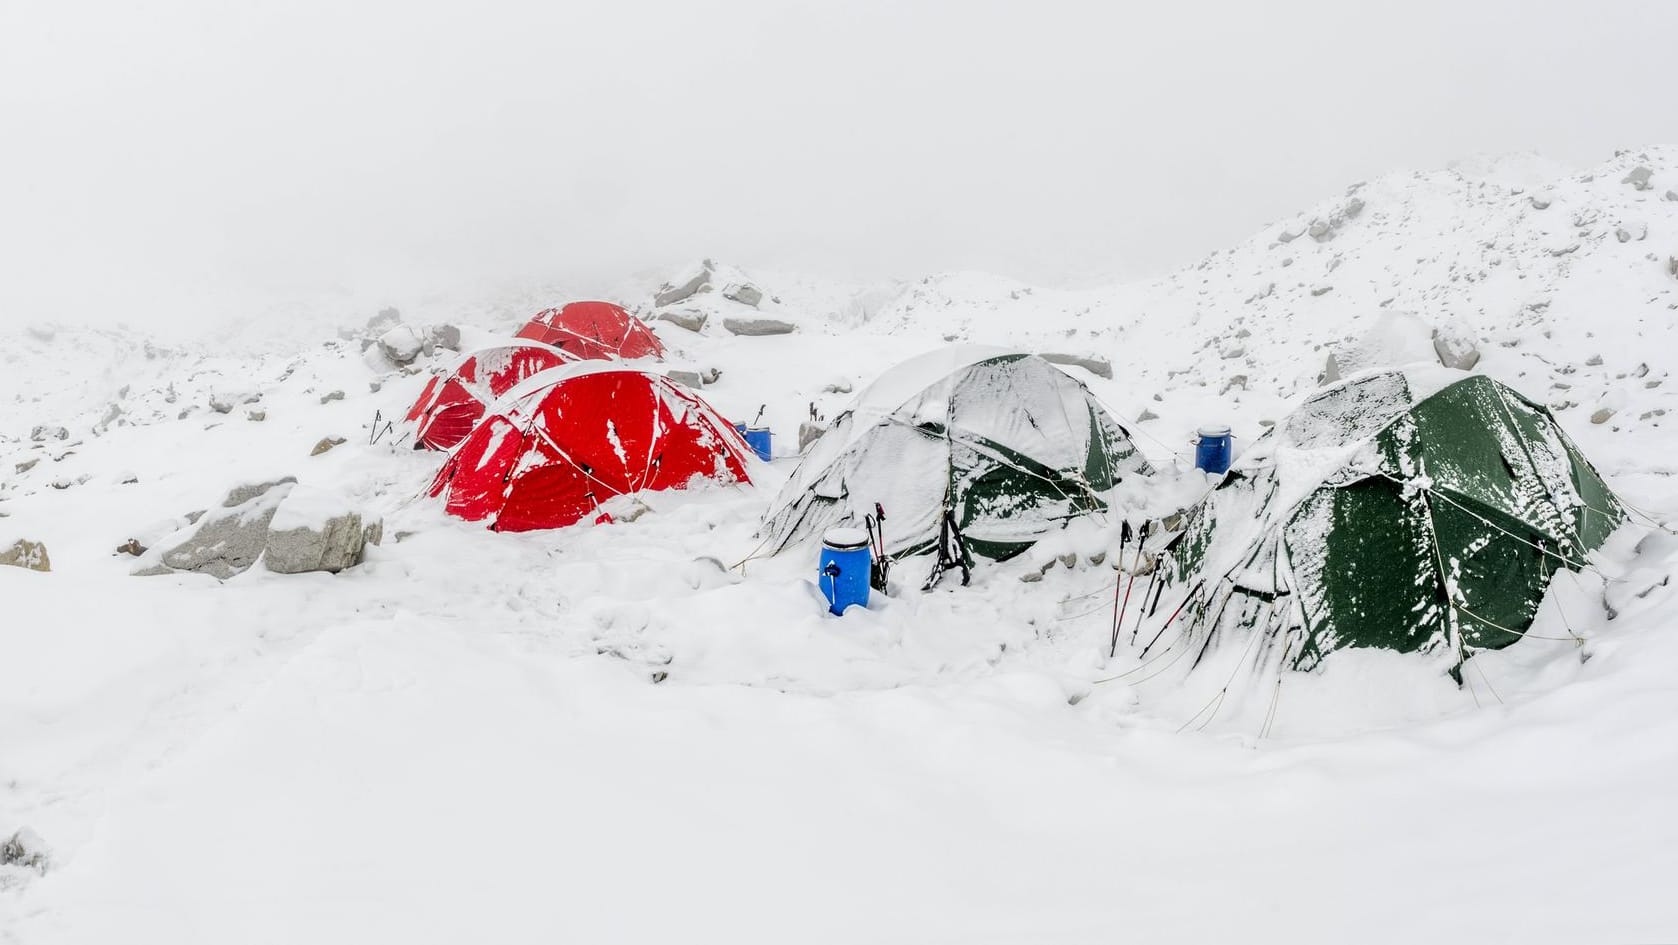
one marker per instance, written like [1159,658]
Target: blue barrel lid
[845,539]
[1217,429]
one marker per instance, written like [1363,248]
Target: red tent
[451,404]
[566,440]
[593,331]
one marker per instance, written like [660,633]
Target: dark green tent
[1417,511]
[1008,444]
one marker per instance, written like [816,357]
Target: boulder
[685,378]
[314,530]
[26,554]
[1602,415]
[326,443]
[1455,347]
[25,850]
[691,319]
[757,326]
[1100,367]
[686,285]
[1638,178]
[290,528]
[743,292]
[330,396]
[808,433]
[446,337]
[48,432]
[401,344]
[1672,195]
[710,375]
[384,321]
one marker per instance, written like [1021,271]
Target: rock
[48,432]
[1672,195]
[743,292]
[256,416]
[685,285]
[1322,290]
[1594,360]
[757,326]
[221,404]
[710,375]
[26,554]
[1320,231]
[1230,354]
[1238,381]
[386,319]
[691,319]
[1100,367]
[685,378]
[1638,178]
[1289,234]
[314,530]
[1455,347]
[291,528]
[24,849]
[809,432]
[28,464]
[131,547]
[838,387]
[1354,207]
[401,344]
[1602,415]
[446,337]
[330,396]
[1146,415]
[326,443]
[1539,203]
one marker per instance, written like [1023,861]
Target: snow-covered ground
[641,731]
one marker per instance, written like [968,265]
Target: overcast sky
[160,158]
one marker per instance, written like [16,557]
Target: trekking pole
[1141,539]
[1168,621]
[1118,578]
[761,408]
[1142,606]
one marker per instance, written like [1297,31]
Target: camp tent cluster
[543,431]
[1414,510]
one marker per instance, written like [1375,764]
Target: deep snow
[639,730]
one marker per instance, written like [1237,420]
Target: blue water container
[844,568]
[759,439]
[1211,450]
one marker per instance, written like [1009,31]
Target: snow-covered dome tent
[1007,444]
[1418,510]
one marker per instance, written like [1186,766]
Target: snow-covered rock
[290,528]
[316,530]
[24,553]
[401,344]
[685,285]
[758,326]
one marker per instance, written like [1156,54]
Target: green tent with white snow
[1419,510]
[1006,445]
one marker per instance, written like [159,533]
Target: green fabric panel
[1379,583]
[1497,573]
[991,482]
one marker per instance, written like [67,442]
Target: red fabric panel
[582,442]
[593,331]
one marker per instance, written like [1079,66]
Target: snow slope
[640,731]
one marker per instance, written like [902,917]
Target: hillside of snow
[646,730]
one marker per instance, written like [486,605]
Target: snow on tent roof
[1413,510]
[1011,444]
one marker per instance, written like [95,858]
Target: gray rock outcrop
[686,285]
[290,528]
[758,326]
[23,553]
[743,292]
[691,319]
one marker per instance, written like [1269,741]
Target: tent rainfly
[593,331]
[568,439]
[993,447]
[451,404]
[1421,510]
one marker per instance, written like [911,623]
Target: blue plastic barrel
[1211,450]
[844,568]
[759,439]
